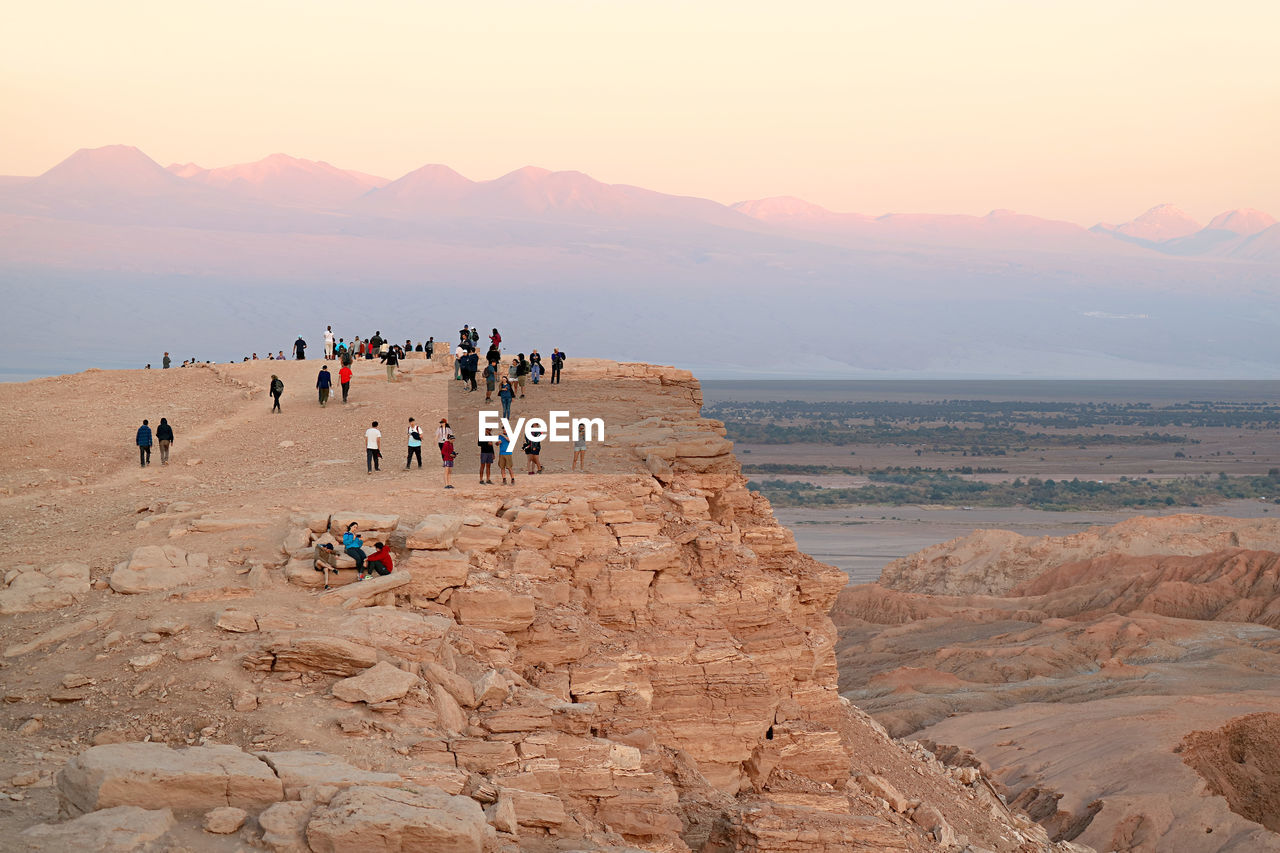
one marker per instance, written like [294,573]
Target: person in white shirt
[328,342]
[458,353]
[415,444]
[443,433]
[372,447]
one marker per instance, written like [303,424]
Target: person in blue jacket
[144,444]
[354,547]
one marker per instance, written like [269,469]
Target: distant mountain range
[120,185]
[110,258]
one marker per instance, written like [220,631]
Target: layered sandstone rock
[633,659]
[1105,649]
[994,562]
[152,568]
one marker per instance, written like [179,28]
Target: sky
[1086,110]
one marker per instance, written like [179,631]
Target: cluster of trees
[859,471]
[974,441]
[916,486]
[994,413]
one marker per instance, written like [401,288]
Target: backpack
[277,386]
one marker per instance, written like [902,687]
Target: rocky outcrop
[995,562]
[638,658]
[122,829]
[154,568]
[27,588]
[159,777]
[379,820]
[1241,762]
[1090,662]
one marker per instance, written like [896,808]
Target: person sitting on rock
[380,560]
[353,545]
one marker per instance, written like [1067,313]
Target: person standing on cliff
[328,343]
[557,362]
[486,461]
[490,381]
[447,455]
[277,388]
[300,348]
[430,347]
[344,378]
[415,444]
[522,373]
[443,432]
[505,392]
[506,453]
[458,353]
[144,444]
[535,366]
[391,358]
[373,447]
[324,381]
[164,365]
[164,435]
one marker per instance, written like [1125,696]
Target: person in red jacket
[448,454]
[344,378]
[379,561]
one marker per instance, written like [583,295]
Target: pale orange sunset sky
[1081,110]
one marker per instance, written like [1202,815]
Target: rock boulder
[153,568]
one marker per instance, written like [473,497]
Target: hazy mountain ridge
[122,185]
[123,257]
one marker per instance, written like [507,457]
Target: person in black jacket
[557,362]
[391,358]
[473,364]
[164,435]
[277,388]
[324,382]
[300,348]
[522,373]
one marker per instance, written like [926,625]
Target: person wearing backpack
[532,450]
[522,373]
[391,358]
[415,444]
[490,381]
[277,388]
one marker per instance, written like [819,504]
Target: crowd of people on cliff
[509,382]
